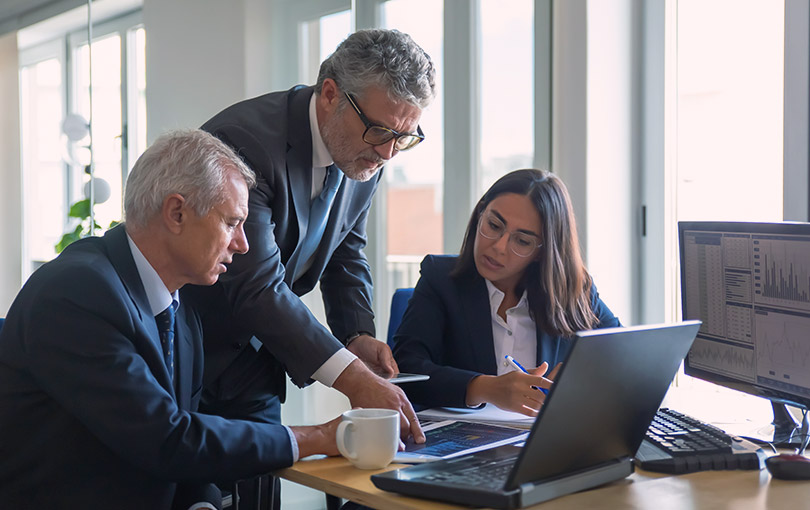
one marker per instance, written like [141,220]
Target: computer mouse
[787,466]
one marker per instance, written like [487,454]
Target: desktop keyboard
[677,443]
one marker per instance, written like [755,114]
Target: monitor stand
[787,433]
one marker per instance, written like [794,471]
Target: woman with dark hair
[519,287]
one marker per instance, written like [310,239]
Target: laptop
[593,421]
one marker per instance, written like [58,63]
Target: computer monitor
[750,285]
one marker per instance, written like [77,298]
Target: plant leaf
[80,209]
[67,239]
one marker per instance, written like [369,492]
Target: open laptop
[588,430]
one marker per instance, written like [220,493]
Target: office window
[54,79]
[318,38]
[136,96]
[43,154]
[507,88]
[729,146]
[106,120]
[730,110]
[415,179]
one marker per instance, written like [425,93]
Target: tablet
[405,378]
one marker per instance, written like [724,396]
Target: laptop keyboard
[490,475]
[677,443]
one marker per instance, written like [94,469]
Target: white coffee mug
[369,438]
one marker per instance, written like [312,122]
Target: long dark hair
[557,283]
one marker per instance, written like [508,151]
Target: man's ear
[330,95]
[174,212]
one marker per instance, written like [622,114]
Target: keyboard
[677,443]
[486,473]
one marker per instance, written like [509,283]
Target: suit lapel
[183,360]
[299,156]
[478,318]
[121,258]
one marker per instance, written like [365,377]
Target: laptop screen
[603,400]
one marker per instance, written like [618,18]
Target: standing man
[317,152]
[101,366]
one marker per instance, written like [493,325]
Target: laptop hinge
[533,493]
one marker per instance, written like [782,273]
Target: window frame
[62,46]
[461,111]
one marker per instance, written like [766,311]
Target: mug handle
[340,436]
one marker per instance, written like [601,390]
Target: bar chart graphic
[782,273]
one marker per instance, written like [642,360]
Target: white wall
[195,61]
[10,175]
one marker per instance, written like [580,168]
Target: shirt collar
[496,297]
[320,154]
[157,294]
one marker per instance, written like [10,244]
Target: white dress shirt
[516,336]
[337,363]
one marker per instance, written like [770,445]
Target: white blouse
[517,335]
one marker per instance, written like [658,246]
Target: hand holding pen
[544,366]
[510,391]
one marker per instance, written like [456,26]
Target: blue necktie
[165,324]
[318,216]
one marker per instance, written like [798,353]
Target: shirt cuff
[202,506]
[328,373]
[293,443]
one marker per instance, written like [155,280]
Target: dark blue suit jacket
[88,415]
[256,297]
[446,333]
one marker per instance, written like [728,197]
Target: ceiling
[15,14]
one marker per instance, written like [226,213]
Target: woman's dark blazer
[446,333]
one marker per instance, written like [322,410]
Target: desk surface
[744,490]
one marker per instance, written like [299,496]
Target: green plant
[80,210]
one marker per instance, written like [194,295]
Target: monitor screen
[750,285]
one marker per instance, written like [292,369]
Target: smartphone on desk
[406,378]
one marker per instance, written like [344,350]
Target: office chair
[399,302]
[264,495]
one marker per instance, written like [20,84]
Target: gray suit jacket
[257,297]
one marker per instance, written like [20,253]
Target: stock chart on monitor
[750,285]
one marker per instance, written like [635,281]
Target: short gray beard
[337,145]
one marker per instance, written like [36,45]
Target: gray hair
[192,163]
[388,59]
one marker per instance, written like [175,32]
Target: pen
[512,361]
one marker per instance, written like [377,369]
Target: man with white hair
[101,364]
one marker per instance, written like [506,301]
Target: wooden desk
[708,490]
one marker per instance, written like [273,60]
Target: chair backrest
[399,302]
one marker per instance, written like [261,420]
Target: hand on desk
[375,354]
[319,439]
[365,389]
[513,391]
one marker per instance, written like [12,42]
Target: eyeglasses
[521,243]
[378,135]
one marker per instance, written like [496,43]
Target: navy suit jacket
[446,333]
[88,415]
[257,297]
